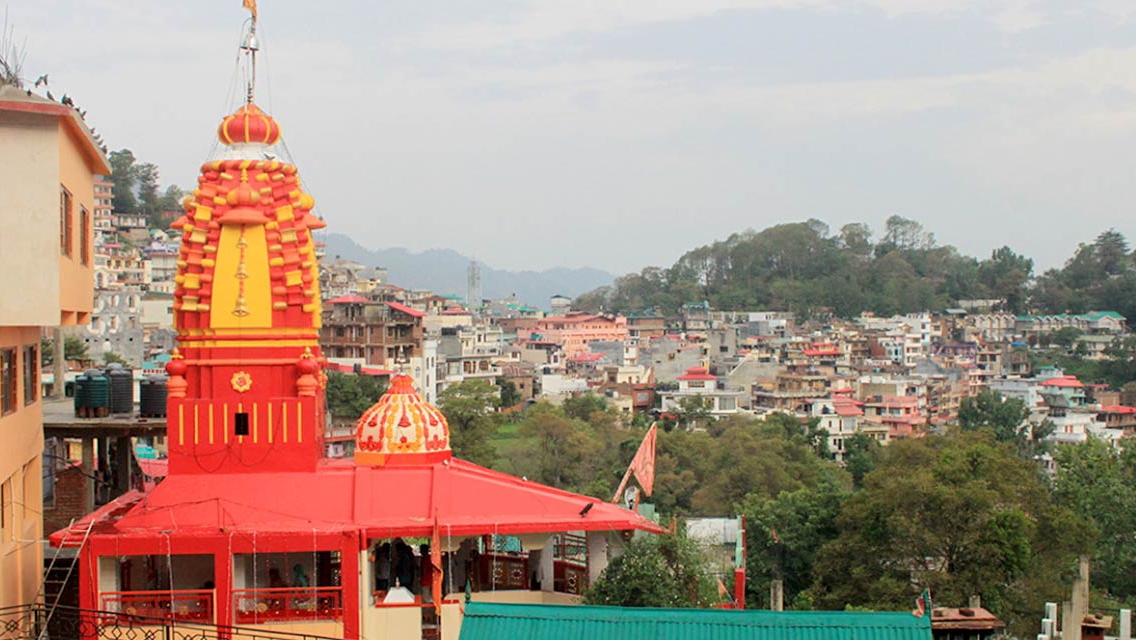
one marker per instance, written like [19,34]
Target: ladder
[75,538]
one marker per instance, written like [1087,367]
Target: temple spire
[249,46]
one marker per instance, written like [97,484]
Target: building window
[66,222]
[7,381]
[31,374]
[84,236]
[7,530]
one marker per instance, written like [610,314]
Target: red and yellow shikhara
[246,415]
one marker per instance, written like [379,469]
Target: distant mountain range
[444,272]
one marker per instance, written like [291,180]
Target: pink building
[574,331]
[900,414]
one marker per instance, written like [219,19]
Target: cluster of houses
[887,377]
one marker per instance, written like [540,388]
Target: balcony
[291,604]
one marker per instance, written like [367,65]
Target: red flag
[643,464]
[436,565]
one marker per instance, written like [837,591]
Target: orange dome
[402,428]
[249,125]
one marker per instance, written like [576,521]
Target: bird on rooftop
[67,100]
[50,97]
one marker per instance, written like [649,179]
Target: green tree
[510,397]
[348,395]
[111,357]
[656,571]
[558,450]
[861,453]
[1098,483]
[74,349]
[123,174]
[1006,418]
[582,407]
[783,534]
[693,411]
[958,514]
[147,176]
[469,406]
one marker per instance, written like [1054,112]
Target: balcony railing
[180,604]
[259,606]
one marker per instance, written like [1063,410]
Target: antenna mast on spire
[250,45]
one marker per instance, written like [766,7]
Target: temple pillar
[222,584]
[597,554]
[548,566]
[356,592]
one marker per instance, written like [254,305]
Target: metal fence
[70,623]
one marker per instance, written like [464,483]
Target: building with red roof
[253,526]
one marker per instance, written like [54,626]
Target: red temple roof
[341,496]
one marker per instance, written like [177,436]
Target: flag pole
[622,485]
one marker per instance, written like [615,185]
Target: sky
[619,134]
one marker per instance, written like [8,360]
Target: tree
[111,357]
[582,407]
[693,410]
[510,397]
[656,571]
[559,451]
[468,407]
[124,177]
[1099,484]
[861,453]
[958,514]
[146,175]
[74,349]
[349,395]
[1006,418]
[783,534]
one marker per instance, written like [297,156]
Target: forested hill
[807,269]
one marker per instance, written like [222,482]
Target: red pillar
[349,578]
[223,585]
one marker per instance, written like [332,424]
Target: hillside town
[213,427]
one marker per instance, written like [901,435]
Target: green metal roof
[486,621]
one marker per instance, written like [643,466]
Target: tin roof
[485,621]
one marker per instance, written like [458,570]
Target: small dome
[249,125]
[402,429]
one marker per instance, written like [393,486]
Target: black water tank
[121,388]
[98,394]
[80,393]
[152,397]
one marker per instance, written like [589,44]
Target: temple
[253,527]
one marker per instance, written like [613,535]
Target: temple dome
[402,429]
[249,125]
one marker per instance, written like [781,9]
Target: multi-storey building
[47,204]
[104,208]
[574,331]
[375,333]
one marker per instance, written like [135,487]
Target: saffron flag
[251,6]
[643,464]
[436,565]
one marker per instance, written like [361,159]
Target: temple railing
[259,606]
[179,604]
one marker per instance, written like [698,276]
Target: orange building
[47,175]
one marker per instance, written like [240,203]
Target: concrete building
[47,204]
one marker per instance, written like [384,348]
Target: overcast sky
[621,133]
